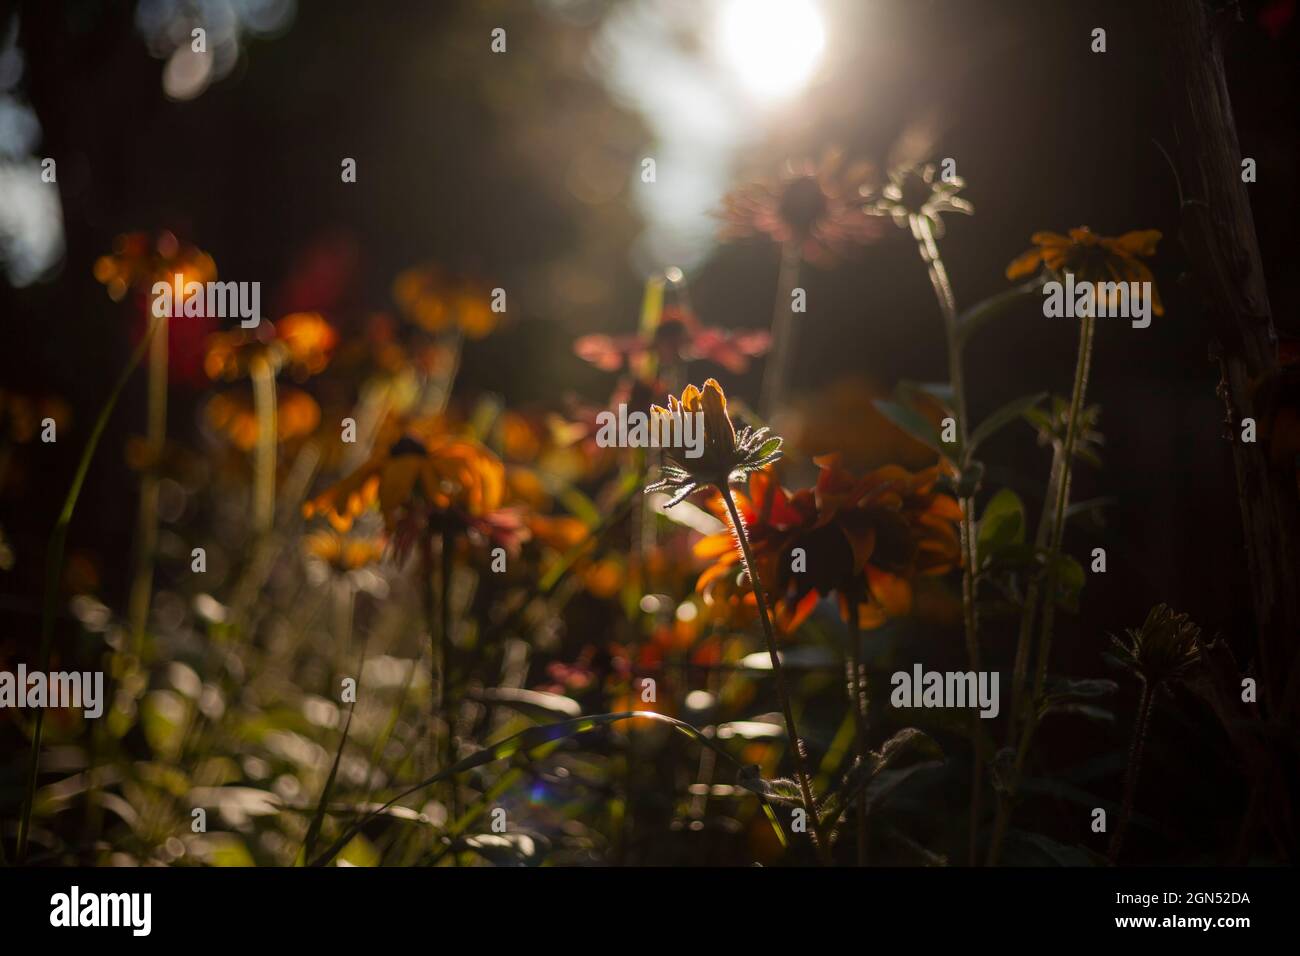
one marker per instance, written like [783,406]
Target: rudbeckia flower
[232,415]
[864,538]
[726,455]
[811,205]
[1092,258]
[342,553]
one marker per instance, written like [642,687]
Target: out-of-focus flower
[912,194]
[437,303]
[726,455]
[302,342]
[420,476]
[679,337]
[139,260]
[342,553]
[815,206]
[1092,258]
[1163,649]
[21,415]
[863,538]
[232,415]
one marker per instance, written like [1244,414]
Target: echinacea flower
[342,553]
[437,303]
[726,455]
[679,337]
[812,206]
[1092,258]
[913,195]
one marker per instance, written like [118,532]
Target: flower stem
[923,232]
[263,376]
[147,520]
[53,572]
[775,369]
[1131,772]
[797,749]
[1060,489]
[856,685]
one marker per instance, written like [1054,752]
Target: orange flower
[340,553]
[302,341]
[416,471]
[1092,258]
[137,262]
[232,414]
[863,538]
[812,205]
[436,303]
[308,341]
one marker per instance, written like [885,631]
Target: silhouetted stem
[776,368]
[923,232]
[778,671]
[1131,772]
[856,687]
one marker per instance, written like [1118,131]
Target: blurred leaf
[313,830]
[509,849]
[1034,849]
[534,703]
[163,717]
[808,657]
[1001,418]
[908,751]
[524,741]
[980,314]
[360,852]
[1069,582]
[914,423]
[940,392]
[1001,525]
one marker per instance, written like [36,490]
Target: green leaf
[1069,579]
[941,392]
[1002,525]
[909,749]
[980,314]
[914,423]
[533,703]
[1016,408]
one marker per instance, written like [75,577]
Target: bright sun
[772,45]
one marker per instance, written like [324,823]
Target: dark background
[451,167]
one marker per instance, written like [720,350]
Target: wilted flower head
[912,195]
[727,455]
[811,205]
[1163,649]
[1092,258]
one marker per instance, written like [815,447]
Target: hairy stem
[923,232]
[1131,772]
[798,753]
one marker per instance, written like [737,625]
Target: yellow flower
[342,553]
[232,415]
[1092,258]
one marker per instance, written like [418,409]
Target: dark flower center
[406,445]
[803,203]
[916,192]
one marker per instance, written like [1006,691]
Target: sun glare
[772,45]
